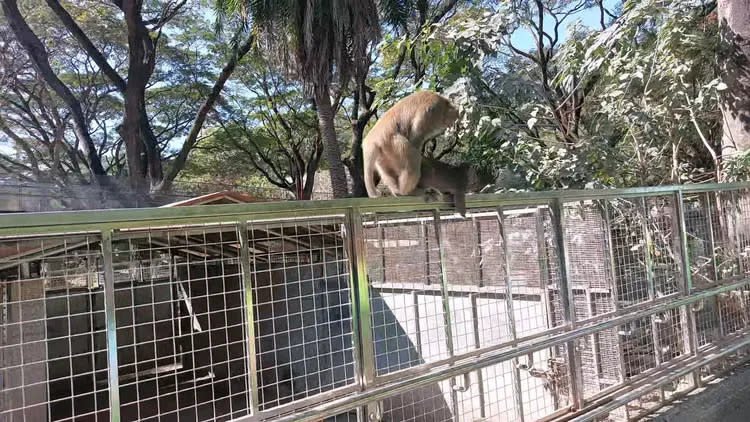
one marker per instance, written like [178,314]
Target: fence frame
[370,388]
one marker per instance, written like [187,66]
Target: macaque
[393,148]
[446,179]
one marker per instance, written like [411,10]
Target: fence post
[686,312]
[612,267]
[445,293]
[109,312]
[736,232]
[567,301]
[247,271]
[361,313]
[516,374]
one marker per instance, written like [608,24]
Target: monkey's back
[418,117]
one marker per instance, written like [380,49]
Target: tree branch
[200,118]
[88,46]
[38,55]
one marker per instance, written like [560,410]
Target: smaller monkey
[446,179]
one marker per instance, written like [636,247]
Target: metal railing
[556,305]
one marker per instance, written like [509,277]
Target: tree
[734,61]
[142,28]
[277,132]
[408,24]
[40,60]
[320,42]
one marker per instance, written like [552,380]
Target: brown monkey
[446,179]
[392,149]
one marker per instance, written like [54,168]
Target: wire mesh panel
[629,243]
[303,319]
[408,314]
[664,248]
[255,318]
[639,350]
[699,224]
[53,342]
[494,396]
[724,222]
[534,268]
[431,403]
[588,257]
[181,337]
[476,281]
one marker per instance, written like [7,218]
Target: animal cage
[585,305]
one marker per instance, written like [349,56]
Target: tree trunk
[144,158]
[339,183]
[734,59]
[39,57]
[359,190]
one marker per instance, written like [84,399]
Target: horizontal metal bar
[404,384]
[50,222]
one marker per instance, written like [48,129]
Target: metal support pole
[425,235]
[687,316]
[716,331]
[708,206]
[614,291]
[444,286]
[361,307]
[109,311]
[650,280]
[567,299]
[360,291]
[594,340]
[417,324]
[445,293]
[516,374]
[478,344]
[247,284]
[381,243]
[544,274]
[477,251]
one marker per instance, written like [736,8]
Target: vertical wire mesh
[533,268]
[181,335]
[664,249]
[545,384]
[639,349]
[303,318]
[430,403]
[590,272]
[630,250]
[53,344]
[408,322]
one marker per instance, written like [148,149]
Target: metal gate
[566,305]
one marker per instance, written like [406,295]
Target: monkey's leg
[411,170]
[459,201]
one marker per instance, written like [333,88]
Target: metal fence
[569,305]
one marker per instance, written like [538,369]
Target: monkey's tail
[370,184]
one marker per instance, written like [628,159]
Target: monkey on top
[393,151]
